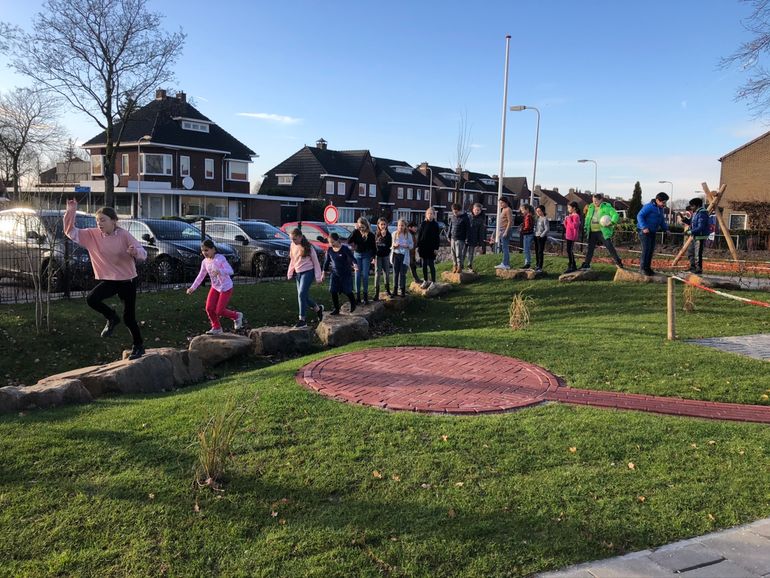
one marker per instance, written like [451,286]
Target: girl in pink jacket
[218,269]
[571,233]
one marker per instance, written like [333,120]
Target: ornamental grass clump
[215,440]
[688,298]
[519,311]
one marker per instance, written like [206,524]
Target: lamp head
[517,108]
[583,160]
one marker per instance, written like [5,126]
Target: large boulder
[186,365]
[148,374]
[579,275]
[630,276]
[523,274]
[393,304]
[280,340]
[214,349]
[713,282]
[373,312]
[434,290]
[336,330]
[11,398]
[459,278]
[55,392]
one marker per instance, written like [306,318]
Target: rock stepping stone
[459,278]
[434,290]
[214,349]
[395,303]
[337,330]
[280,340]
[629,276]
[529,274]
[580,275]
[712,282]
[373,312]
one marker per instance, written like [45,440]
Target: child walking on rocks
[304,267]
[219,271]
[402,245]
[339,259]
[571,233]
[541,236]
[382,242]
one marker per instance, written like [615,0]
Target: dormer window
[402,169]
[285,179]
[448,176]
[195,126]
[490,182]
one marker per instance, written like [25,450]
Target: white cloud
[279,118]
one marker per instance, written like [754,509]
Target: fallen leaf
[151,496]
[445,438]
[459,484]
[641,498]
[694,446]
[273,514]
[196,507]
[741,452]
[376,474]
[711,518]
[451,513]
[764,397]
[425,486]
[573,449]
[631,466]
[282,522]
[395,478]
[712,442]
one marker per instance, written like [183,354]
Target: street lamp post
[518,108]
[145,138]
[672,188]
[596,173]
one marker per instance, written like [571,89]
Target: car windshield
[262,231]
[175,231]
[55,225]
[343,232]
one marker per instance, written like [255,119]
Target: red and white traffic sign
[331,214]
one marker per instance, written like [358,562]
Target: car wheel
[260,266]
[166,270]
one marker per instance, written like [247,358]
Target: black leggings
[126,290]
[539,251]
[571,254]
[336,300]
[429,263]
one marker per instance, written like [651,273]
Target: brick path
[458,381]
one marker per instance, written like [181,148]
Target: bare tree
[103,56]
[462,152]
[748,56]
[28,128]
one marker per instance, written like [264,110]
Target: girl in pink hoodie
[218,269]
[571,233]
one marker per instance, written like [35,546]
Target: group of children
[534,230]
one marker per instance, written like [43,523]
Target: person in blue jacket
[699,230]
[650,220]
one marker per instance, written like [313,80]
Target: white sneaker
[425,284]
[238,323]
[500,266]
[215,331]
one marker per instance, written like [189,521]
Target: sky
[635,86]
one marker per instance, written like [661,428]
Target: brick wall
[746,173]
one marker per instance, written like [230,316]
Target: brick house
[554,203]
[406,192]
[173,160]
[746,172]
[302,185]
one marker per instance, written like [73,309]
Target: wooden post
[671,306]
[720,220]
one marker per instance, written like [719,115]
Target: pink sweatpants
[216,307]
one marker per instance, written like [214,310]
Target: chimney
[181,97]
[556,189]
[321,144]
[537,188]
[466,176]
[423,168]
[160,94]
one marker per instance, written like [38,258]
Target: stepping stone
[628,276]
[395,303]
[434,290]
[529,274]
[459,278]
[373,312]
[336,330]
[214,349]
[579,275]
[280,340]
[712,282]
[53,392]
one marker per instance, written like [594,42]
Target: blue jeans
[648,248]
[304,281]
[364,262]
[381,269]
[526,241]
[505,247]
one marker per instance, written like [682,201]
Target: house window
[361,190]
[419,194]
[409,193]
[184,166]
[427,195]
[450,197]
[123,164]
[738,221]
[155,164]
[490,199]
[237,171]
[208,168]
[97,165]
[372,191]
[341,189]
[329,187]
[400,192]
[196,126]
[287,180]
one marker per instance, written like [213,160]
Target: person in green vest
[600,229]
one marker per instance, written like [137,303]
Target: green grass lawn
[320,488]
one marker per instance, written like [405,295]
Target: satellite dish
[188,182]
[115,179]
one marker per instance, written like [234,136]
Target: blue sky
[635,86]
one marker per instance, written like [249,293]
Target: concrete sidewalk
[741,552]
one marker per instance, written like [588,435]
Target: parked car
[32,243]
[317,232]
[173,249]
[263,249]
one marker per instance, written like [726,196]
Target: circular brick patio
[430,379]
